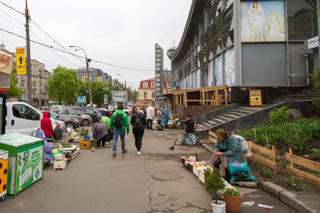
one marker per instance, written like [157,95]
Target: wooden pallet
[73,155]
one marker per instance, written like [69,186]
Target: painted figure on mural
[254,24]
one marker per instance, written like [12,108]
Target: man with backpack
[138,121]
[119,123]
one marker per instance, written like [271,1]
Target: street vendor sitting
[227,149]
[190,124]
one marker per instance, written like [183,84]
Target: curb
[281,193]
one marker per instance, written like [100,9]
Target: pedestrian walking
[119,123]
[150,116]
[138,121]
[100,132]
[165,119]
[46,124]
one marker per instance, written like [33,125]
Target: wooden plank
[303,162]
[262,150]
[304,176]
[212,134]
[213,140]
[264,161]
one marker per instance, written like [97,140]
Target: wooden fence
[265,151]
[305,163]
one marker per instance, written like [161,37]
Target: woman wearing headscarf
[138,121]
[165,119]
[227,149]
[100,132]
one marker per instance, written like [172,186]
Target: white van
[23,118]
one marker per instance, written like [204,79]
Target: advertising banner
[81,99]
[119,96]
[5,63]
[4,82]
[262,21]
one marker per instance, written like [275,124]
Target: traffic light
[102,91]
[80,92]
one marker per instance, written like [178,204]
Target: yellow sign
[255,97]
[21,61]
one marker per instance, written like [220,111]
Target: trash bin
[3,173]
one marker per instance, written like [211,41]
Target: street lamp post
[124,80]
[88,74]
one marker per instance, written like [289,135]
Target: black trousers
[110,136]
[138,138]
[149,124]
[103,140]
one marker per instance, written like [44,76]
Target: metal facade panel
[264,64]
[297,64]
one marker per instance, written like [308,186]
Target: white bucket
[219,208]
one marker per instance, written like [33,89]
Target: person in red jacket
[46,125]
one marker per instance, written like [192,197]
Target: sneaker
[124,151]
[166,129]
[138,153]
[114,155]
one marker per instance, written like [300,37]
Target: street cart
[25,161]
[3,173]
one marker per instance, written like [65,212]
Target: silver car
[85,120]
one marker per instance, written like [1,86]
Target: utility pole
[28,60]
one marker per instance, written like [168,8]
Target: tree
[14,90]
[315,80]
[64,86]
[98,92]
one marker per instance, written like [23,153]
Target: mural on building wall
[198,79]
[194,79]
[229,76]
[218,70]
[262,21]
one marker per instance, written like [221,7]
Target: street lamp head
[71,46]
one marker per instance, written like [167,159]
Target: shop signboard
[262,21]
[313,43]
[119,96]
[255,97]
[5,63]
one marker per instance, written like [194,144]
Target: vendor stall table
[25,161]
[3,173]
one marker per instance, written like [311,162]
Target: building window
[153,84]
[153,95]
[145,84]
[145,95]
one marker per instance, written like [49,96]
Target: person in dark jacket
[227,150]
[138,133]
[190,124]
[46,125]
[100,132]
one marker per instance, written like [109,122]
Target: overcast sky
[118,32]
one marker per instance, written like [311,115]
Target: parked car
[85,120]
[87,111]
[23,118]
[68,121]
[127,111]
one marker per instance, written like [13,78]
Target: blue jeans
[116,134]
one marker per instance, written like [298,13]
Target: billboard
[119,96]
[81,99]
[262,21]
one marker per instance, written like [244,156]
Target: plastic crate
[85,144]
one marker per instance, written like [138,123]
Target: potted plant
[83,133]
[213,183]
[232,198]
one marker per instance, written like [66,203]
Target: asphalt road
[97,182]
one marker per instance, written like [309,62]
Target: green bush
[231,192]
[279,116]
[315,153]
[266,172]
[256,164]
[296,183]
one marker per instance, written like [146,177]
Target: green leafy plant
[285,163]
[231,192]
[266,172]
[213,182]
[315,153]
[296,183]
[83,133]
[279,116]
[256,164]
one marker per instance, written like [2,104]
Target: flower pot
[232,202]
[219,207]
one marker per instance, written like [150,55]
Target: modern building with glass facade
[247,45]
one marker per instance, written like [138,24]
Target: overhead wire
[65,50]
[122,67]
